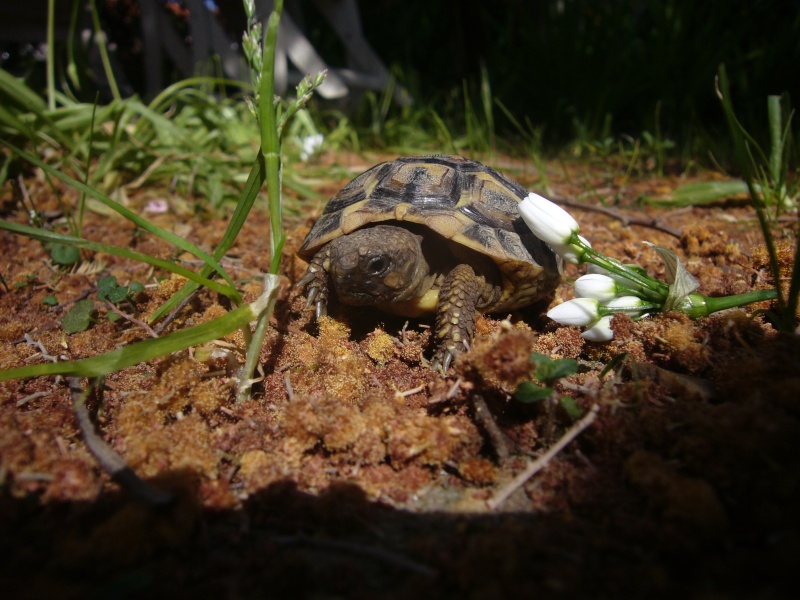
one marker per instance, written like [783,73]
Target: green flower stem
[642,309]
[697,305]
[654,290]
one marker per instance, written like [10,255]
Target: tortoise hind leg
[461,294]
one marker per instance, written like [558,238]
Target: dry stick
[132,319]
[109,460]
[175,312]
[485,418]
[541,462]
[652,222]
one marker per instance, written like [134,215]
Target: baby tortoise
[426,234]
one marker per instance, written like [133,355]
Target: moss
[380,347]
[503,358]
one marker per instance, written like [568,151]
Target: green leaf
[681,282]
[64,255]
[79,317]
[570,407]
[616,361]
[105,286]
[540,359]
[549,370]
[530,393]
[118,294]
[701,192]
[50,300]
[135,288]
[562,368]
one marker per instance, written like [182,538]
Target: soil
[357,472]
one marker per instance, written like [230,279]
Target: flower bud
[594,285]
[548,221]
[580,312]
[630,305]
[600,331]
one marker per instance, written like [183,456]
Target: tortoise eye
[377,265]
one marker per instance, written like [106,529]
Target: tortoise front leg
[461,293]
[317,281]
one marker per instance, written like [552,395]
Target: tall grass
[765,175]
[63,132]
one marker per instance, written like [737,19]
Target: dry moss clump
[380,346]
[152,442]
[502,359]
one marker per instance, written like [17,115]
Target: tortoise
[425,234]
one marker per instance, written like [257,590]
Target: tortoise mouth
[376,265]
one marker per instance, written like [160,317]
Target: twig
[404,394]
[289,390]
[29,397]
[132,319]
[39,346]
[109,460]
[453,391]
[485,418]
[626,219]
[541,462]
[174,313]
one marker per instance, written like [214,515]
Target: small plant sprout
[612,287]
[548,372]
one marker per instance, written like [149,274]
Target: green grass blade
[702,192]
[11,122]
[776,139]
[167,95]
[20,93]
[100,40]
[20,96]
[125,212]
[270,142]
[254,182]
[744,157]
[127,356]
[51,63]
[67,240]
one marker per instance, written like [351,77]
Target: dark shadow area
[614,536]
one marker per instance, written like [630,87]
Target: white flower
[580,311]
[619,276]
[594,285]
[630,305]
[572,253]
[600,331]
[549,222]
[311,143]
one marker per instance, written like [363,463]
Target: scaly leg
[459,296]
[317,282]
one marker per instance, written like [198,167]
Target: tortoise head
[377,265]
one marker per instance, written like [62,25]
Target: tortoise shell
[460,200]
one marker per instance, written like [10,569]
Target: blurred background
[547,72]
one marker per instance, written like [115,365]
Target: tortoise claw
[443,358]
[315,282]
[448,358]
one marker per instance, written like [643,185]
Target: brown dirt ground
[357,472]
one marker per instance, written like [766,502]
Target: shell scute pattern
[460,200]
